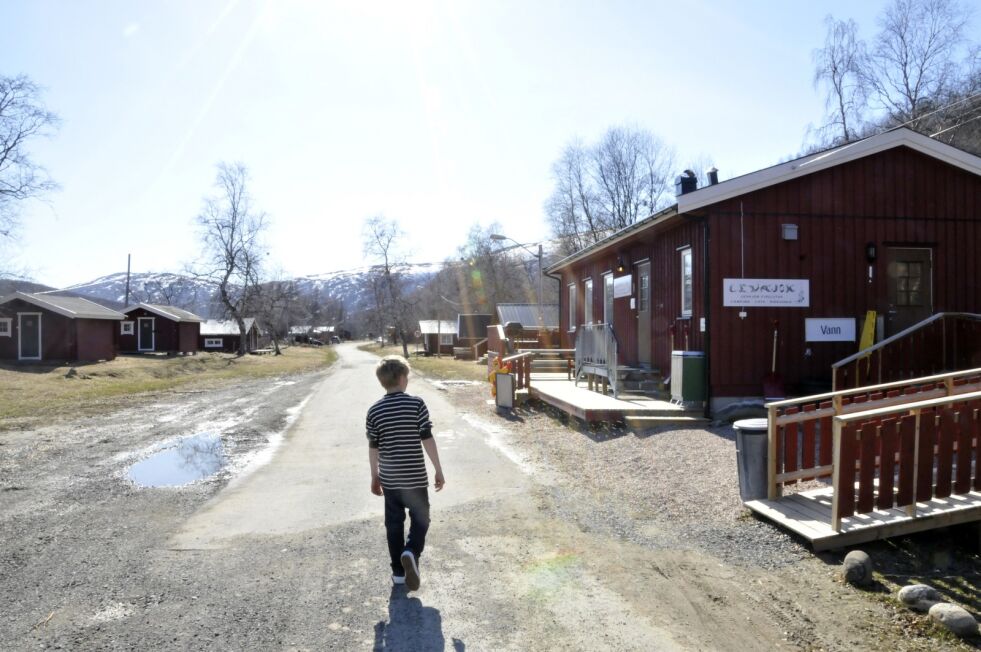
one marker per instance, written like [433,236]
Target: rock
[857,568]
[72,373]
[956,619]
[919,597]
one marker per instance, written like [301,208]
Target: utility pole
[129,258]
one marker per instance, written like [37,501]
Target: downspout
[706,309]
[558,295]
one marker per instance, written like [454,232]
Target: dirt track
[523,554]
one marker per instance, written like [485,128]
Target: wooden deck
[557,390]
[809,515]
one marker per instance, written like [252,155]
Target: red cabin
[45,327]
[151,328]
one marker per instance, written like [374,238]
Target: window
[909,284]
[126,328]
[5,326]
[686,283]
[644,289]
[446,339]
[214,342]
[608,298]
[572,306]
[587,316]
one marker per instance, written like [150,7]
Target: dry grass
[34,394]
[442,368]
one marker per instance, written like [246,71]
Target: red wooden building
[224,335]
[150,328]
[891,224]
[45,327]
[438,336]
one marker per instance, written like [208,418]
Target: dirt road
[285,549]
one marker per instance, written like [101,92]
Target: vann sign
[829,330]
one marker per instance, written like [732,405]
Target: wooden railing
[946,341]
[521,368]
[479,349]
[800,430]
[596,354]
[900,455]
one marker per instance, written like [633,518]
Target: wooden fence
[800,430]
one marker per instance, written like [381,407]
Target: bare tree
[382,241]
[839,67]
[231,233]
[22,118]
[601,189]
[276,303]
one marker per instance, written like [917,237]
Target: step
[653,422]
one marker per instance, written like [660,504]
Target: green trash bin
[688,377]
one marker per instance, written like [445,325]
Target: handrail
[901,334]
[521,362]
[596,345]
[476,348]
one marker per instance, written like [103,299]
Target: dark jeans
[396,502]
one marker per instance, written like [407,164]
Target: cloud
[130,30]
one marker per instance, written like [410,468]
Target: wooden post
[836,403]
[772,492]
[835,477]
[911,508]
[879,353]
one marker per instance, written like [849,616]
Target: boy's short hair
[390,369]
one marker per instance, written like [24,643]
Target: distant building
[438,336]
[224,335]
[151,328]
[44,327]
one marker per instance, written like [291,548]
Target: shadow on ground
[411,627]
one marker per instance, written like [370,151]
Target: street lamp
[541,273]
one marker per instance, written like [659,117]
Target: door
[909,287]
[145,335]
[28,336]
[644,314]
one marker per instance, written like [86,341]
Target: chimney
[685,183]
[713,176]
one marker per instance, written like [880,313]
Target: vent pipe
[685,183]
[713,176]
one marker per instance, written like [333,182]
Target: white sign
[829,329]
[622,286]
[766,292]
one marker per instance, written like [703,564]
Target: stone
[957,619]
[857,568]
[919,597]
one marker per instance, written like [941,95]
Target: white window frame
[446,339]
[687,279]
[127,327]
[587,303]
[572,307]
[214,342]
[608,298]
[6,326]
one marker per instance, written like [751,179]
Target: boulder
[957,619]
[857,568]
[919,597]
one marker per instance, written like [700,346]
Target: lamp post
[541,273]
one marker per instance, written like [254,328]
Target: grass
[440,368]
[35,394]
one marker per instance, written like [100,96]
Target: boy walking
[398,429]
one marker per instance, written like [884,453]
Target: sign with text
[766,292]
[829,329]
[622,285]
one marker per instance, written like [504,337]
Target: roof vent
[713,176]
[685,183]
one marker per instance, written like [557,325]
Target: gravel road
[546,537]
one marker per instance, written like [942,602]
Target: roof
[167,312]
[433,326]
[225,326]
[771,176]
[71,307]
[526,314]
[473,326]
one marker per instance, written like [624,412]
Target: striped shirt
[396,425]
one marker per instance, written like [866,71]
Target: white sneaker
[398,579]
[411,570]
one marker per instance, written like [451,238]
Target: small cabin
[539,324]
[225,335]
[438,336]
[46,327]
[152,328]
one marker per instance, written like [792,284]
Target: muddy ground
[573,561]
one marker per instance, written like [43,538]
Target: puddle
[190,459]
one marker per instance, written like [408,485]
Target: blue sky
[440,115]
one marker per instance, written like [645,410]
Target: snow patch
[496,438]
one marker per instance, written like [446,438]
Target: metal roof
[71,307]
[225,327]
[430,326]
[526,314]
[167,312]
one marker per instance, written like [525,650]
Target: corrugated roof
[71,307]
[527,314]
[225,327]
[167,312]
[433,326]
[473,326]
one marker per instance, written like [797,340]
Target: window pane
[915,270]
[902,269]
[914,299]
[686,282]
[587,317]
[608,299]
[902,283]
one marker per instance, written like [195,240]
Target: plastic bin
[688,376]
[751,458]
